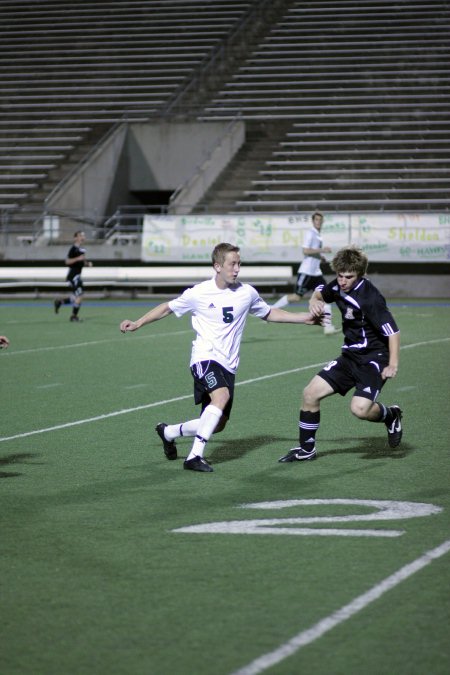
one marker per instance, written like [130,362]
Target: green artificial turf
[96,580]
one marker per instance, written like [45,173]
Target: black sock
[308,425]
[386,415]
[75,310]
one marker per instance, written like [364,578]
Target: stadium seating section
[346,105]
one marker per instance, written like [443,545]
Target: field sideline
[115,561]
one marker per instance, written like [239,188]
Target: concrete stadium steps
[69,71]
[366,87]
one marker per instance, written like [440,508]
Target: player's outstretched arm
[277,315]
[155,314]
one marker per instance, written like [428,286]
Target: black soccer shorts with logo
[208,376]
[359,371]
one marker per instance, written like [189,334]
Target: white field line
[309,635]
[125,411]
[93,343]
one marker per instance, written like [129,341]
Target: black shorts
[307,283]
[208,376]
[362,372]
[76,285]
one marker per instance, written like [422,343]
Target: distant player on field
[76,260]
[309,273]
[219,308]
[370,354]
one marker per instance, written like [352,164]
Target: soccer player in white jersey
[309,274]
[369,356]
[219,308]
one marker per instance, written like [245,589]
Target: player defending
[370,354]
[219,308]
[76,260]
[309,273]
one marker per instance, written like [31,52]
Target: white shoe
[330,330]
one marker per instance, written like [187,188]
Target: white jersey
[311,265]
[218,318]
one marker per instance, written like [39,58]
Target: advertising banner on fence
[277,238]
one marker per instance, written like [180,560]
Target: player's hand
[316,307]
[4,342]
[389,372]
[312,320]
[128,326]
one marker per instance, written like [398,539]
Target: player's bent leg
[365,409]
[221,424]
[314,392]
[309,422]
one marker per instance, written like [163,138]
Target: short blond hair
[220,251]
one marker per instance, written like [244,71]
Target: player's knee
[220,397]
[310,396]
[360,408]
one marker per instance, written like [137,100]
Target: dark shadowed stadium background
[117,112]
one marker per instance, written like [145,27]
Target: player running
[219,308]
[370,354]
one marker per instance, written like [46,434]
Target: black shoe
[57,304]
[197,464]
[75,317]
[170,449]
[298,455]
[394,429]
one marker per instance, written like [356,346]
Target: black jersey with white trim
[366,319]
[76,267]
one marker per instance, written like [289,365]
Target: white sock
[282,302]
[189,428]
[208,422]
[327,315]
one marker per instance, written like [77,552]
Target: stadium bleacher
[346,106]
[364,90]
[70,71]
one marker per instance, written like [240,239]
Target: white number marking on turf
[385,510]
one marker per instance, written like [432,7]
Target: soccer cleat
[74,317]
[57,304]
[170,449]
[298,455]
[394,429]
[197,463]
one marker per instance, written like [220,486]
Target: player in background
[76,260]
[309,274]
[369,356]
[219,308]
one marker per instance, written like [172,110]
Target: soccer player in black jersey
[76,260]
[370,354]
